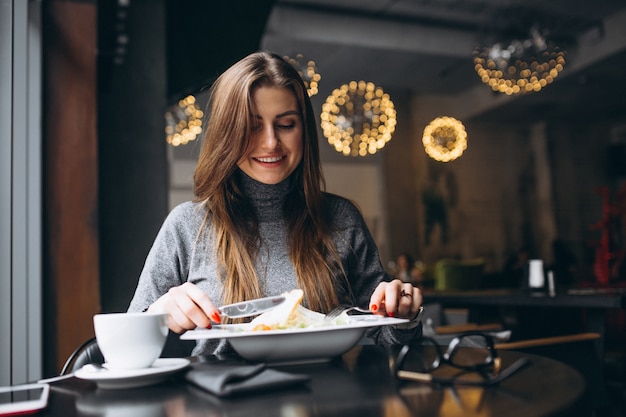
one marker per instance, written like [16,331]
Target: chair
[452,274]
[544,342]
[89,352]
[468,327]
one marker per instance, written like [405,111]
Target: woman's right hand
[187,307]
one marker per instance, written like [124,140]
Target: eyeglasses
[463,364]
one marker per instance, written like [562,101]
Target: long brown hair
[235,227]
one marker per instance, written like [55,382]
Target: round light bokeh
[445,139]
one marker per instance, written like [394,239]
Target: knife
[252,307]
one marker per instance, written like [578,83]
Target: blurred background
[522,166]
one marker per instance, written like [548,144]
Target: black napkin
[225,380]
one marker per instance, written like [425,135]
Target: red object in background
[601,266]
[609,256]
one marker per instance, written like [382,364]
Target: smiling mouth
[270,159]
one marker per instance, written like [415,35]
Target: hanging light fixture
[183,122]
[308,72]
[358,118]
[445,139]
[519,56]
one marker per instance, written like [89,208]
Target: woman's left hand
[396,299]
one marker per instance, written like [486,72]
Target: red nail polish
[374,307]
[390,313]
[216,317]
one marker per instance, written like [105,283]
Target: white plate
[294,345]
[160,370]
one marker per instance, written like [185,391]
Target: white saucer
[160,370]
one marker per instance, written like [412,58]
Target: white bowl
[312,344]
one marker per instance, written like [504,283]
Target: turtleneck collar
[261,193]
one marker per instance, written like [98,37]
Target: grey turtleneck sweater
[178,255]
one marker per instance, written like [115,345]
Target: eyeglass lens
[482,352]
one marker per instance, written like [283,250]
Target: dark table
[595,302]
[357,384]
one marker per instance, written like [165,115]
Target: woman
[260,223]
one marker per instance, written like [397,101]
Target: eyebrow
[278,116]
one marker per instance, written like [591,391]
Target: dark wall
[133,170]
[401,174]
[206,37]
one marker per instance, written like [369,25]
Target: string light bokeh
[519,66]
[183,122]
[358,118]
[308,73]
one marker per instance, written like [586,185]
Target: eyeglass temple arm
[414,376]
[428,378]
[510,370]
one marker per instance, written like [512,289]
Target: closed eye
[287,123]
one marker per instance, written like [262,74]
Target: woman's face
[275,144]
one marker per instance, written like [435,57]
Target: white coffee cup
[536,275]
[130,340]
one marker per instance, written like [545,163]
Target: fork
[337,311]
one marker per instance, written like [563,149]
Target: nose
[268,138]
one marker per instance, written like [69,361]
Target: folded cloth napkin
[225,380]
